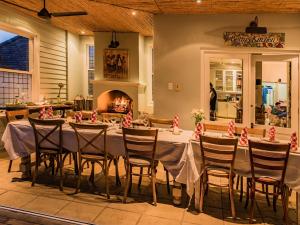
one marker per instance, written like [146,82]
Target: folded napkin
[176,121]
[272,133]
[199,130]
[244,137]
[42,114]
[294,142]
[78,117]
[50,112]
[231,128]
[94,116]
[127,120]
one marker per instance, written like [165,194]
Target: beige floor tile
[2,191]
[167,211]
[15,199]
[138,207]
[46,205]
[212,216]
[80,211]
[117,217]
[152,220]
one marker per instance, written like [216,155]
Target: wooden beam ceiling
[117,15]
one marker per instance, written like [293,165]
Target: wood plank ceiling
[117,15]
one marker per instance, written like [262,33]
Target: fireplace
[114,101]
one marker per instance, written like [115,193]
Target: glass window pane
[273,93]
[226,89]
[14,51]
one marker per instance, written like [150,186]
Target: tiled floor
[92,207]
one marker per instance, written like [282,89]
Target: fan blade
[19,6]
[60,14]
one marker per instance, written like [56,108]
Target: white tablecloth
[189,173]
[19,141]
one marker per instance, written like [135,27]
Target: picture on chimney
[116,64]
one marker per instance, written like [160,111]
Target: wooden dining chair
[215,127]
[48,145]
[140,149]
[268,166]
[218,155]
[155,122]
[92,149]
[254,132]
[12,116]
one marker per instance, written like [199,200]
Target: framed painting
[116,64]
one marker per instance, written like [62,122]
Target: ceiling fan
[45,14]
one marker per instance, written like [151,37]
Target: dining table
[179,153]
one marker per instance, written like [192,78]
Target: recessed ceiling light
[133,13]
[82,32]
[198,1]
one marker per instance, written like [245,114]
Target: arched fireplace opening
[114,101]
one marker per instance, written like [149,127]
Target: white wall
[177,43]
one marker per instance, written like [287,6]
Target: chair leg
[79,176]
[241,188]
[37,160]
[202,190]
[127,183]
[153,176]
[231,192]
[237,182]
[118,181]
[92,177]
[252,196]
[275,196]
[60,164]
[247,193]
[140,177]
[106,179]
[267,195]
[130,178]
[206,183]
[70,159]
[285,202]
[75,163]
[9,166]
[168,180]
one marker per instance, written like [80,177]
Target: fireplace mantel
[120,83]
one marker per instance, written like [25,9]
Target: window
[15,71]
[91,68]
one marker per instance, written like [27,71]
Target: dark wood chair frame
[12,116]
[54,153]
[152,122]
[212,164]
[140,138]
[279,186]
[84,156]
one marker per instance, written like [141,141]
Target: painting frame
[116,64]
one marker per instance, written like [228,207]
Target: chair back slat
[91,138]
[141,143]
[17,114]
[268,159]
[48,134]
[108,117]
[218,151]
[155,122]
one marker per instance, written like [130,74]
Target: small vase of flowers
[198,115]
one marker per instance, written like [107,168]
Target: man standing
[212,102]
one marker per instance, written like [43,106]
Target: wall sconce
[114,43]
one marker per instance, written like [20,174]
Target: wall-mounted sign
[242,39]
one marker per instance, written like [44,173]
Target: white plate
[267,140]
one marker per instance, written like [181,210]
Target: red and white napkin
[94,116]
[78,117]
[127,120]
[231,128]
[176,121]
[272,133]
[244,137]
[50,112]
[294,142]
[42,114]
[199,130]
